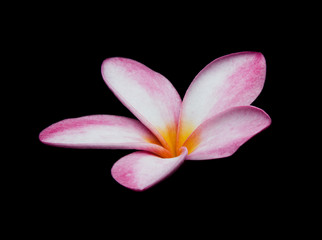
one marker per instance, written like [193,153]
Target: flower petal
[223,134]
[101,131]
[147,94]
[229,81]
[141,170]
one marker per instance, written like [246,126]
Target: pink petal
[147,94]
[141,170]
[101,131]
[231,80]
[223,134]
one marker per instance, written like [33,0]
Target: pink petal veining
[231,80]
[146,93]
[101,131]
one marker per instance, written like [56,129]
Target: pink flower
[212,121]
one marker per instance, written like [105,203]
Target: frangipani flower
[212,121]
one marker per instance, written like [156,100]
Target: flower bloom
[212,121]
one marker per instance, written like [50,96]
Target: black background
[63,80]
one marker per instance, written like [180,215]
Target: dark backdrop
[63,80]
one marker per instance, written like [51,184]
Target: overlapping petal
[147,94]
[102,131]
[223,134]
[229,81]
[141,170]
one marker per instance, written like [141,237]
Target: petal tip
[114,60]
[43,136]
[258,57]
[265,115]
[108,62]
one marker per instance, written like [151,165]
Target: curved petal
[229,81]
[141,170]
[147,94]
[102,131]
[223,134]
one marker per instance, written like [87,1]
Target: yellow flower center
[173,143]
